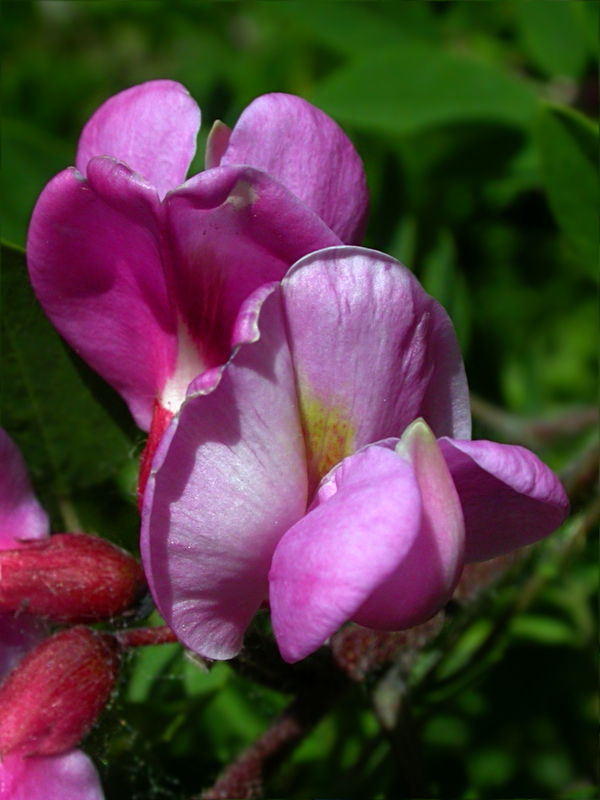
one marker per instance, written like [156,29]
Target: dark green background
[476,123]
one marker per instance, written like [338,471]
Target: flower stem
[142,637]
[532,432]
[243,779]
[392,709]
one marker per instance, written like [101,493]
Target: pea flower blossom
[71,775]
[328,467]
[143,272]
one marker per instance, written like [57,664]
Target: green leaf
[463,652]
[198,681]
[490,767]
[29,160]
[357,28]
[405,89]
[404,241]
[554,36]
[557,363]
[580,793]
[446,731]
[442,279]
[150,664]
[67,437]
[590,16]
[544,630]
[238,713]
[569,148]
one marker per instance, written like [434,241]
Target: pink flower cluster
[57,771]
[307,400]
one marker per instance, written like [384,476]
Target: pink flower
[22,520]
[70,775]
[278,479]
[144,274]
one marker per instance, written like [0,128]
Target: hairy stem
[244,778]
[532,432]
[142,637]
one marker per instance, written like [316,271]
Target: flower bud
[54,696]
[71,578]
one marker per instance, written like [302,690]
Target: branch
[361,651]
[244,778]
[392,708]
[532,432]
[580,477]
[142,637]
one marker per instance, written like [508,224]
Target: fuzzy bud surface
[54,696]
[70,578]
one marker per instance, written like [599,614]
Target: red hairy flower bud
[54,696]
[70,577]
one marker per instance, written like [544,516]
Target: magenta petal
[67,777]
[334,558]
[21,516]
[233,229]
[151,127]
[372,352]
[308,152]
[425,579]
[94,259]
[509,497]
[228,479]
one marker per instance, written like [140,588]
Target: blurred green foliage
[476,123]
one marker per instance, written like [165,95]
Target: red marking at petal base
[160,421]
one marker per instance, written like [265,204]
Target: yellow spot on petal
[328,435]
